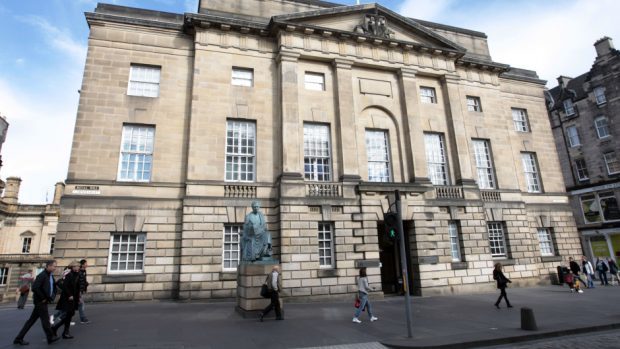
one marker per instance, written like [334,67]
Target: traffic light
[390,219]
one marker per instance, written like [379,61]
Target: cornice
[93,18]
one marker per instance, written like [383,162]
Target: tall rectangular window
[317,157]
[573,136]
[4,276]
[126,252]
[497,239]
[609,206]
[532,177]
[455,244]
[546,242]
[599,94]
[242,77]
[136,159]
[602,127]
[26,244]
[314,81]
[231,247]
[326,245]
[427,95]
[144,80]
[473,104]
[240,151]
[519,118]
[52,242]
[569,109]
[377,150]
[612,163]
[582,169]
[484,164]
[436,158]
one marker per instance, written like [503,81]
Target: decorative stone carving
[375,25]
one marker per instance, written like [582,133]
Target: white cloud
[20,62]
[57,38]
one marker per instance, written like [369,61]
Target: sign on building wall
[615,243]
[599,248]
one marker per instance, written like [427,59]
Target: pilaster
[289,106]
[345,121]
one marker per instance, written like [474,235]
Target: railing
[449,192]
[239,191]
[324,189]
[490,195]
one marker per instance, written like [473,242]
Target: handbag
[264,291]
[357,303]
[24,289]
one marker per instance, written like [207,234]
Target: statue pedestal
[250,279]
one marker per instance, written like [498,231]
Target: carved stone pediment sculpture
[375,25]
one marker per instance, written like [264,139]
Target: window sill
[546,259]
[123,279]
[505,261]
[459,265]
[326,273]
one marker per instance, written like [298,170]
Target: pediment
[371,20]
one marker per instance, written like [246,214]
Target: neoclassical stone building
[320,111]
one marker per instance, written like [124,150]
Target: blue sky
[44,44]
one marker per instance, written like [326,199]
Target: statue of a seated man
[256,239]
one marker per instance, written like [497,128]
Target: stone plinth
[250,278]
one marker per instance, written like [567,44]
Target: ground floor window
[455,243]
[127,252]
[230,258]
[326,245]
[4,275]
[546,242]
[497,239]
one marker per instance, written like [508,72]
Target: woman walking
[362,294]
[69,299]
[613,271]
[502,283]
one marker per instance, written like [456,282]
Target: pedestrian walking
[60,313]
[574,267]
[274,285]
[602,268]
[588,270]
[502,283]
[43,293]
[362,293]
[69,299]
[613,271]
[25,283]
[83,289]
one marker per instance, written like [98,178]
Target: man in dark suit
[43,293]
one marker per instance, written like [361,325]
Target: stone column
[459,143]
[292,139]
[346,126]
[412,128]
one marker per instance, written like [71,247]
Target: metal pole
[403,262]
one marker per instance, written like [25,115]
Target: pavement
[462,321]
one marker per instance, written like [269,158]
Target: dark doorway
[389,256]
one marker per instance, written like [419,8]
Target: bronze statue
[256,239]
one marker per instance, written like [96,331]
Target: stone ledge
[326,273]
[459,265]
[551,259]
[505,261]
[123,279]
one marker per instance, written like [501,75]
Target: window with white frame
[612,163]
[314,81]
[569,109]
[436,158]
[136,158]
[599,94]
[427,95]
[240,151]
[455,243]
[484,164]
[242,77]
[4,276]
[519,117]
[52,242]
[573,136]
[530,168]
[126,253]
[497,239]
[317,156]
[582,169]
[602,127]
[144,80]
[26,244]
[326,245]
[546,242]
[377,151]
[231,247]
[473,104]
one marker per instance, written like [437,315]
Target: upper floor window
[546,242]
[436,158]
[473,104]
[52,242]
[242,77]
[317,157]
[569,109]
[599,94]
[582,169]
[612,163]
[240,151]
[532,177]
[427,95]
[314,81]
[136,157]
[573,136]
[519,117]
[602,126]
[484,164]
[26,244]
[231,247]
[377,150]
[126,252]
[144,80]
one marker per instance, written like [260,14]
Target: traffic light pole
[403,261]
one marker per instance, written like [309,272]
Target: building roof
[574,90]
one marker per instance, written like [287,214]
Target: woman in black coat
[502,283]
[69,299]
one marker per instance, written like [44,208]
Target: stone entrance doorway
[389,255]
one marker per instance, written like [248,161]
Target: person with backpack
[613,270]
[602,268]
[502,283]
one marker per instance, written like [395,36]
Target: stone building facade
[584,118]
[320,111]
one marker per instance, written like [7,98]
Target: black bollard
[528,322]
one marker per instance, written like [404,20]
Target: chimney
[58,191]
[11,191]
[563,81]
[603,46]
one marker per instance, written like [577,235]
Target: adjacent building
[584,118]
[320,111]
